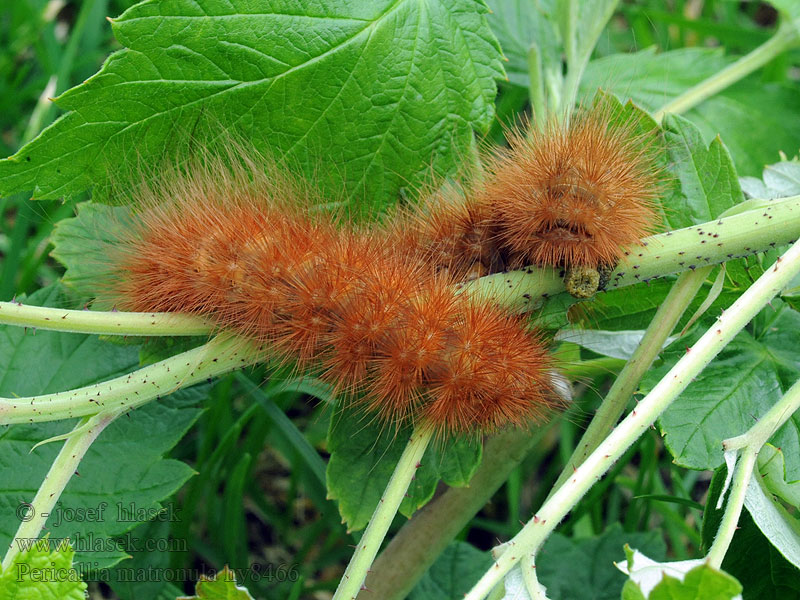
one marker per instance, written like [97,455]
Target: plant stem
[62,469]
[382,518]
[787,36]
[127,392]
[769,423]
[536,86]
[757,230]
[751,443]
[415,547]
[104,323]
[745,233]
[579,52]
[609,412]
[625,434]
[733,509]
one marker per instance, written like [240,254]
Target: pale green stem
[103,323]
[530,538]
[745,233]
[590,32]
[130,391]
[609,412]
[384,514]
[769,423]
[536,86]
[786,37]
[733,509]
[709,243]
[62,469]
[750,443]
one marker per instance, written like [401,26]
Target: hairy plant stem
[750,444]
[772,224]
[769,423]
[733,509]
[786,37]
[420,541]
[756,230]
[62,469]
[103,323]
[716,241]
[613,405]
[218,356]
[530,538]
[369,544]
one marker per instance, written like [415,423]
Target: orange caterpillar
[573,195]
[248,251]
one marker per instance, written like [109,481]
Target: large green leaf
[364,454]
[706,182]
[756,120]
[367,97]
[584,568]
[732,392]
[453,573]
[123,476]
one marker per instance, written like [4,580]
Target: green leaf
[123,476]
[584,567]
[364,454]
[690,579]
[708,184]
[147,560]
[779,180]
[755,119]
[779,526]
[733,391]
[42,573]
[723,401]
[701,583]
[751,558]
[220,587]
[453,574]
[772,468]
[82,243]
[631,591]
[617,344]
[367,97]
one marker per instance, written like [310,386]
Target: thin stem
[609,412]
[62,469]
[218,356]
[536,86]
[751,443]
[628,431]
[103,323]
[381,519]
[579,53]
[422,539]
[769,423]
[733,509]
[787,36]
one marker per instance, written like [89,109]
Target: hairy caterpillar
[225,239]
[569,194]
